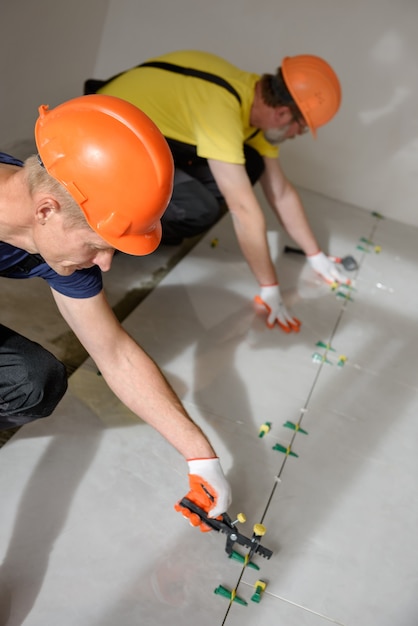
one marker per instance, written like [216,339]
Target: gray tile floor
[88,534]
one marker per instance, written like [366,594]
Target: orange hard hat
[114,162]
[314,86]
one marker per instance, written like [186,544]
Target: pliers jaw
[224,524]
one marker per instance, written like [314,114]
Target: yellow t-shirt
[193,110]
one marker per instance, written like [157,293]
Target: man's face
[288,126]
[276,136]
[67,249]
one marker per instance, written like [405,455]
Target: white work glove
[271,299]
[209,490]
[325,266]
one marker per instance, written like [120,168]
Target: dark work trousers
[32,380]
[197,203]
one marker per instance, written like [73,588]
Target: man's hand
[209,490]
[271,299]
[325,266]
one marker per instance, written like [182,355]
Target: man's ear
[46,207]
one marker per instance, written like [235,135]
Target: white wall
[367,156]
[47,48]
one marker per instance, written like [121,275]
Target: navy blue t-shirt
[81,284]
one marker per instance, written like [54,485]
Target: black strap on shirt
[190,71]
[92,85]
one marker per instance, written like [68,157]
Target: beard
[275,136]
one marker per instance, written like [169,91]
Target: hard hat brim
[136,245]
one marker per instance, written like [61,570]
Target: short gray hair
[38,179]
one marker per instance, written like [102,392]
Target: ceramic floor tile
[87,529]
[272,611]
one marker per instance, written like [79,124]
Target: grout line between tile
[277,478]
[300,606]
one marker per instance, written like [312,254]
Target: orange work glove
[209,490]
[271,299]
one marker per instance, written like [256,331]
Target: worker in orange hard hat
[224,127]
[314,88]
[123,188]
[101,182]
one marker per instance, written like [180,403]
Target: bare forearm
[248,218]
[140,385]
[132,374]
[286,202]
[250,229]
[295,222]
